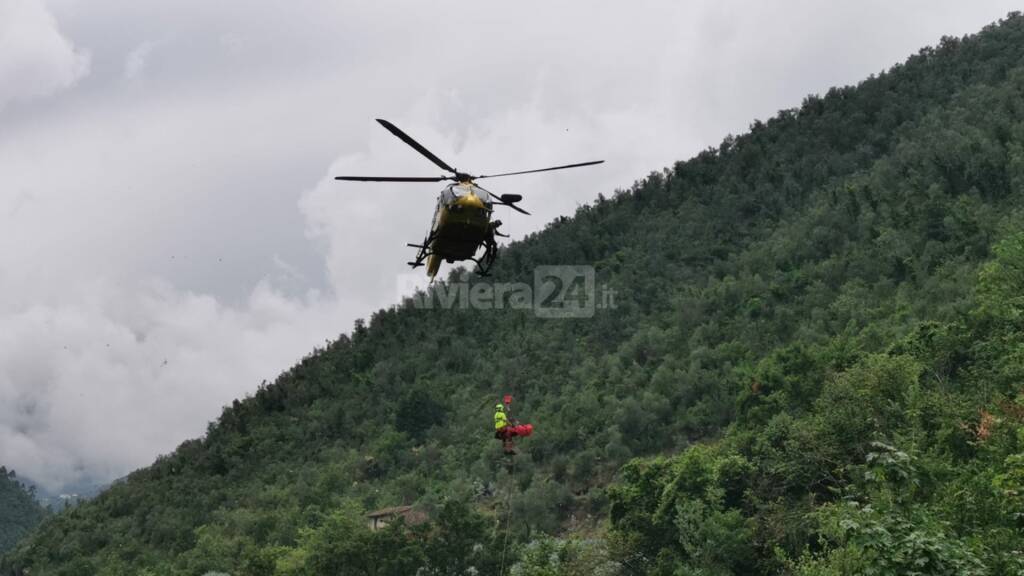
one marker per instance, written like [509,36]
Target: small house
[381,518]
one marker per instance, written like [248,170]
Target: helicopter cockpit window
[458,190]
[482,194]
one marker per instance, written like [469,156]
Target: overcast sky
[169,232]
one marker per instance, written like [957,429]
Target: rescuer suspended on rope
[506,428]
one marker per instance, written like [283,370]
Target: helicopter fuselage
[461,224]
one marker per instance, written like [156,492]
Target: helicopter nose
[470,201]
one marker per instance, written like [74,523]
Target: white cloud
[35,58]
[135,62]
[104,381]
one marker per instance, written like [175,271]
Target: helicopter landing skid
[422,253]
[484,263]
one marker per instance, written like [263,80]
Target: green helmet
[499,407]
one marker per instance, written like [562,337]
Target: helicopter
[462,221]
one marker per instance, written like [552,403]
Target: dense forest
[19,511]
[814,365]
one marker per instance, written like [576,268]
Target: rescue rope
[508,515]
[511,487]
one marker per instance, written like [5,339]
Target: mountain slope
[19,511]
[825,235]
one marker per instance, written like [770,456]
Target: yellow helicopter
[462,220]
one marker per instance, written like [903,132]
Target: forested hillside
[814,365]
[19,511]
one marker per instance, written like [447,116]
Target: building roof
[394,510]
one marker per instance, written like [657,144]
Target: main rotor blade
[514,207]
[541,170]
[500,200]
[419,147]
[392,178]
